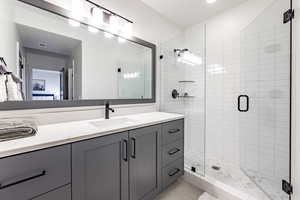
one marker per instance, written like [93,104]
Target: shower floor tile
[237,181]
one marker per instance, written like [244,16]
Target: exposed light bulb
[121,40]
[93,29]
[127,30]
[96,17]
[114,24]
[211,1]
[74,23]
[108,35]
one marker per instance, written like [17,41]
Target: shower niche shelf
[186,81]
[175,95]
[186,96]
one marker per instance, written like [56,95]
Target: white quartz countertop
[64,133]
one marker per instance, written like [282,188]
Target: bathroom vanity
[133,157]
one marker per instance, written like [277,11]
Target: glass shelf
[186,81]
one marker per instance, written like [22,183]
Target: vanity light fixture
[211,1]
[96,20]
[100,18]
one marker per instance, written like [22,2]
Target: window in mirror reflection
[60,62]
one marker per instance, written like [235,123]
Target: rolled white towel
[3,91]
[12,89]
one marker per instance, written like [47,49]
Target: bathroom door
[264,103]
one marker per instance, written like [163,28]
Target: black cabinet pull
[125,150]
[173,151]
[172,131]
[9,184]
[174,172]
[247,103]
[133,147]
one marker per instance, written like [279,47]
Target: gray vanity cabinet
[144,172]
[131,165]
[100,168]
[63,193]
[29,175]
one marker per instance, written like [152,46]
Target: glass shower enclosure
[237,103]
[264,101]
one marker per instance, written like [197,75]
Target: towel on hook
[12,89]
[3,91]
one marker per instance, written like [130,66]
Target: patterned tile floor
[181,190]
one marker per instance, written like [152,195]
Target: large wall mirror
[55,64]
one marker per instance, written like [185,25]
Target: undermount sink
[111,122]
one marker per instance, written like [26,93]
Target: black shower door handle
[247,103]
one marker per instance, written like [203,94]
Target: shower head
[180,51]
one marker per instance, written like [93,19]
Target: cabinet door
[145,159]
[100,168]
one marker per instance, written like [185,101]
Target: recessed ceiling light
[211,1]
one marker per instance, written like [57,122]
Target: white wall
[8,35]
[42,60]
[52,82]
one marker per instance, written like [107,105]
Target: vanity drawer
[25,176]
[173,131]
[172,172]
[172,152]
[63,193]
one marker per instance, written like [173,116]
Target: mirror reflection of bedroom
[47,63]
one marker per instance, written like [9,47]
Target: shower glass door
[264,101]
[189,81]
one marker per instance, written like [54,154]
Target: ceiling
[186,13]
[32,38]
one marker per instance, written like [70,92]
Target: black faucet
[107,109]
